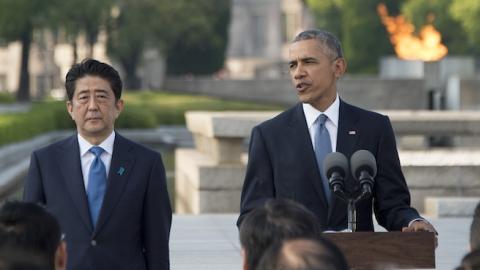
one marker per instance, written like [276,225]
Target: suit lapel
[120,169]
[70,166]
[300,128]
[347,136]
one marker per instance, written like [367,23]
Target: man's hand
[421,226]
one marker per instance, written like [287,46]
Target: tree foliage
[140,24]
[467,13]
[80,17]
[199,44]
[18,20]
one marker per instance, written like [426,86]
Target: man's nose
[299,72]
[92,103]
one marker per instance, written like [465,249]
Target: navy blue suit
[282,165]
[134,222]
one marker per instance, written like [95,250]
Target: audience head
[278,219]
[475,229]
[471,261]
[303,254]
[19,259]
[29,227]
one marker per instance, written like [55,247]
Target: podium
[391,250]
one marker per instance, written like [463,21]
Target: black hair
[28,226]
[277,219]
[329,42]
[93,67]
[303,254]
[19,259]
[471,261]
[475,229]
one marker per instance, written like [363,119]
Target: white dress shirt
[87,157]
[311,115]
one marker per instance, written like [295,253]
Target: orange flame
[427,47]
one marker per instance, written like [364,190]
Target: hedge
[142,110]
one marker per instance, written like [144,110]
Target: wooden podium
[392,250]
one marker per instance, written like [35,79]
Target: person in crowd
[28,229]
[277,219]
[475,229]
[303,254]
[471,261]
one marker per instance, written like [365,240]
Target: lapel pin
[121,170]
[352,132]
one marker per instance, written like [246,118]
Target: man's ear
[119,105]
[340,67]
[70,109]
[61,256]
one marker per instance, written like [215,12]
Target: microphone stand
[352,215]
[351,208]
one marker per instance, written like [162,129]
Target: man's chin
[95,131]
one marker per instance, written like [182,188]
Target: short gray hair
[327,40]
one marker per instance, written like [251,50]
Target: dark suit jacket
[134,222]
[282,165]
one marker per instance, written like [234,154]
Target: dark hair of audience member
[19,259]
[471,261]
[28,226]
[303,254]
[277,219]
[475,229]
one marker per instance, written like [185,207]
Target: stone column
[209,178]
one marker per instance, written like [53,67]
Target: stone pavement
[210,242]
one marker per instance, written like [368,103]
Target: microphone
[364,169]
[336,169]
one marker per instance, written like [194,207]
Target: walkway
[210,242]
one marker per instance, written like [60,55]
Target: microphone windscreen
[335,162]
[363,160]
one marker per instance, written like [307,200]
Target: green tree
[136,26]
[437,13]
[18,20]
[327,15]
[358,26]
[467,13]
[200,42]
[76,17]
[192,31]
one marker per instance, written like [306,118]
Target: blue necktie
[97,182]
[323,147]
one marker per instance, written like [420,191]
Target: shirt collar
[311,114]
[107,144]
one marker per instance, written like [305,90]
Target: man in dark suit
[286,153]
[108,193]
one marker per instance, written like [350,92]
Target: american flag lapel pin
[352,132]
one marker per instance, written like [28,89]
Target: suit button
[93,242]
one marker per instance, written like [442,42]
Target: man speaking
[286,153]
[108,193]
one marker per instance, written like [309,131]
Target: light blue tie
[323,147]
[97,182]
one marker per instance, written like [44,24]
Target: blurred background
[151,41]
